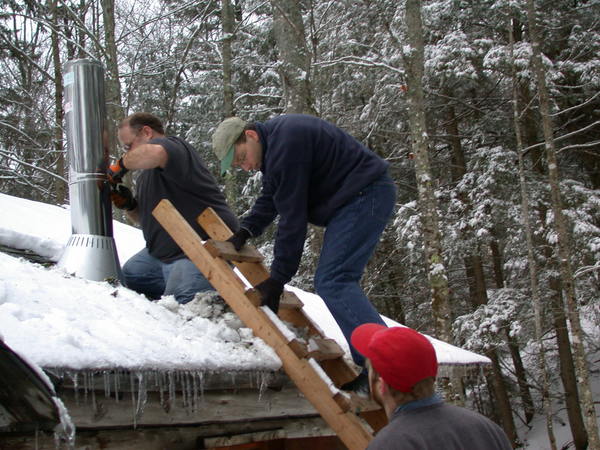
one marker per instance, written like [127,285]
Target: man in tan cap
[402,369]
[313,172]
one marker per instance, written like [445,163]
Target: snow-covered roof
[60,321]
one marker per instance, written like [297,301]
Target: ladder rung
[338,370]
[298,348]
[322,349]
[289,300]
[226,250]
[254,296]
[349,401]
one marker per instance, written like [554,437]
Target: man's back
[440,426]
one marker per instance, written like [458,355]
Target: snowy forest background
[493,141]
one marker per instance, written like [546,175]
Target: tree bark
[427,204]
[564,245]
[114,109]
[228,109]
[294,57]
[533,277]
[513,346]
[413,60]
[478,294]
[60,187]
[567,368]
[228,23]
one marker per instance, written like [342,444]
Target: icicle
[183,389]
[133,402]
[202,387]
[65,430]
[106,378]
[233,374]
[74,379]
[195,391]
[93,391]
[171,389]
[265,378]
[189,385]
[161,387]
[142,396]
[117,390]
[85,387]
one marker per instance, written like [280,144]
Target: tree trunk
[294,57]
[567,368]
[60,187]
[478,294]
[502,398]
[427,204]
[533,277]
[458,166]
[114,109]
[228,23]
[563,236]
[413,60]
[513,346]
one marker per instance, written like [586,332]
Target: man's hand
[116,172]
[122,197]
[239,238]
[270,292]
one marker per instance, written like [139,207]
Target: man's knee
[128,270]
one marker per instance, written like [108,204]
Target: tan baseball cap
[223,139]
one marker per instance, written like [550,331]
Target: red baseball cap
[400,355]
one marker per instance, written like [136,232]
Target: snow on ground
[57,320]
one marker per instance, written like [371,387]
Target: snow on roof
[60,321]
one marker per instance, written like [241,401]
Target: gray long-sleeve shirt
[440,426]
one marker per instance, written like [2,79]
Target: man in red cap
[402,369]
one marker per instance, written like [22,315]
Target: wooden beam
[98,411]
[346,425]
[301,433]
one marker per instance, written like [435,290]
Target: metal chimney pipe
[90,252]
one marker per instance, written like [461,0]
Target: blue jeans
[150,276]
[348,243]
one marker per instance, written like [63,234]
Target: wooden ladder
[318,368]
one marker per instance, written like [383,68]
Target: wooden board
[301,433]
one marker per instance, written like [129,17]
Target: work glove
[270,293]
[122,197]
[239,238]
[116,172]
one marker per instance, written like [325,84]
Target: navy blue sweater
[310,168]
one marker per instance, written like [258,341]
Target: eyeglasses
[127,147]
